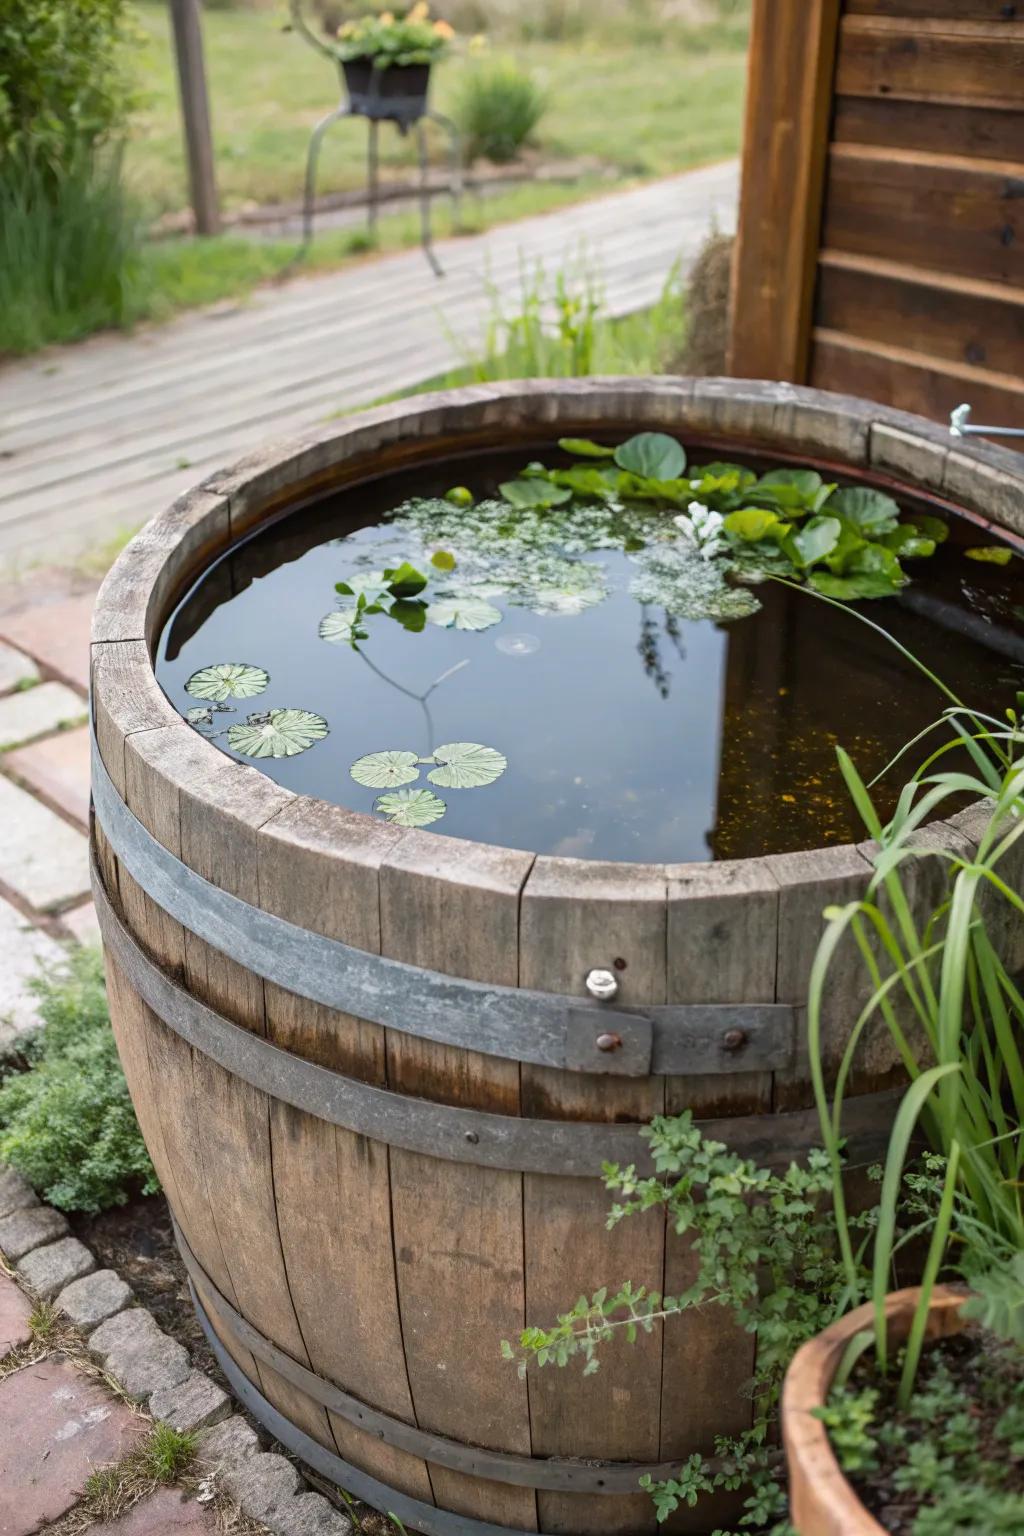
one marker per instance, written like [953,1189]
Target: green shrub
[69,249]
[497,109]
[63,85]
[67,1122]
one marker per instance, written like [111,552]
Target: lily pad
[411,807]
[201,715]
[339,628]
[990,554]
[383,770]
[466,765]
[278,733]
[463,613]
[227,680]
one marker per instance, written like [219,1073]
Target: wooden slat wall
[916,291]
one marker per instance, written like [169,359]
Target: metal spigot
[960,425]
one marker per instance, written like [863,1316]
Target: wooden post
[195,111]
[789,89]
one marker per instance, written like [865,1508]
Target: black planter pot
[397,94]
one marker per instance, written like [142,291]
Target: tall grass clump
[498,107]
[69,249]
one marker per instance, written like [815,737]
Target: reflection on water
[630,733]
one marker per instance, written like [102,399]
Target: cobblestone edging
[153,1369]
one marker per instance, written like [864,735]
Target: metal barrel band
[547,1473]
[542,1028]
[414,1513]
[565,1148]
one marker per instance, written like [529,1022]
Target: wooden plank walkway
[96,438]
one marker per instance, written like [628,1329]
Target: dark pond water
[628,731]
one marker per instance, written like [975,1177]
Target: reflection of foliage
[650,655]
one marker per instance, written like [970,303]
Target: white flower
[702,529]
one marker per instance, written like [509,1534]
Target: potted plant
[386,57]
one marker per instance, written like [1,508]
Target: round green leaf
[463,613]
[338,628]
[459,496]
[652,456]
[201,715]
[817,538]
[466,765]
[870,512]
[443,560]
[534,494]
[383,770]
[227,680]
[751,524]
[411,807]
[990,554]
[279,733]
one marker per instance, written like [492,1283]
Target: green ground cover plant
[67,1123]
[497,108]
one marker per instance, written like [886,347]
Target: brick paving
[168,1512]
[56,769]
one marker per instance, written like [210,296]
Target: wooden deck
[94,439]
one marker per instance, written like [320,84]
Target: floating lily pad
[278,733]
[466,765]
[339,628]
[463,613]
[201,715]
[411,807]
[382,770]
[227,680]
[990,554]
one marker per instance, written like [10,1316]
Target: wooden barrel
[364,1060]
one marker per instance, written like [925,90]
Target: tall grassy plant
[497,109]
[69,249]
[951,1005]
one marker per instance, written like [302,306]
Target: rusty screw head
[602,984]
[609,1042]
[734,1038]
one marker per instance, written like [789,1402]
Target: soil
[989,1377]
[136,1239]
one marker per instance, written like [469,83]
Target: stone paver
[24,952]
[30,1228]
[15,668]
[15,1192]
[46,1271]
[227,1445]
[168,1512]
[57,635]
[91,1300]
[41,857]
[56,1426]
[36,711]
[15,1311]
[194,1403]
[83,925]
[310,1514]
[56,769]
[262,1484]
[138,1354]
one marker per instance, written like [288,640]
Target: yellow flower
[386,18]
[419,12]
[478,43]
[444,29]
[346,29]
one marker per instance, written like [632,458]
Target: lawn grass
[650,101]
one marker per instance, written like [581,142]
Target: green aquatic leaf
[583,448]
[990,554]
[404,580]
[586,480]
[931,527]
[459,496]
[411,807]
[652,456]
[201,715]
[871,512]
[369,585]
[816,539]
[532,494]
[384,770]
[908,542]
[463,613]
[751,524]
[227,680]
[466,765]
[443,560]
[849,588]
[341,627]
[278,733]
[410,612]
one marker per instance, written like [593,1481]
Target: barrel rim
[176,544]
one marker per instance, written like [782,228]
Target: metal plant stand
[406,112]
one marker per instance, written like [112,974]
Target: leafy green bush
[63,85]
[69,249]
[497,109]
[67,1122]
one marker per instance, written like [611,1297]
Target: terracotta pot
[821,1501]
